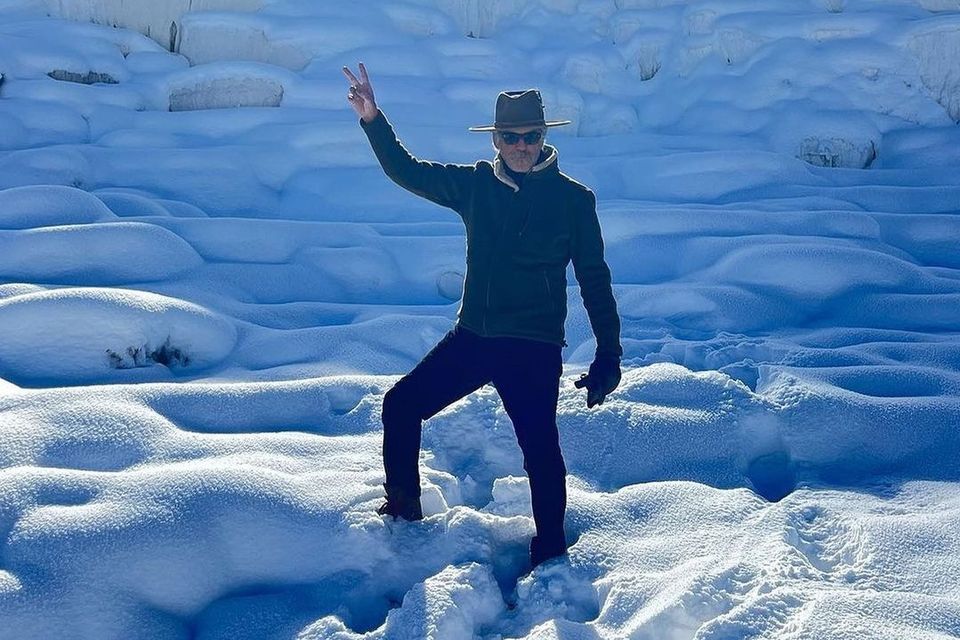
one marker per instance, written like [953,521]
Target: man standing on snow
[525,221]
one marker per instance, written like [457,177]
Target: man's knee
[544,462]
[400,405]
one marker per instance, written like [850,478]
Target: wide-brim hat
[516,109]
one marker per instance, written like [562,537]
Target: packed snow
[207,285]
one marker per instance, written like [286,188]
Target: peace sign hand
[360,95]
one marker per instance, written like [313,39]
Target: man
[525,221]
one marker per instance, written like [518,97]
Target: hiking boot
[401,504]
[541,551]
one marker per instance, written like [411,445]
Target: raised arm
[445,184]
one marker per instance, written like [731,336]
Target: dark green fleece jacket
[519,242]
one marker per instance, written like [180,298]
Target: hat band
[523,123]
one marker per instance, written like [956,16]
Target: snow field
[778,193]
[274,276]
[307,479]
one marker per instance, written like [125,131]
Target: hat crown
[519,109]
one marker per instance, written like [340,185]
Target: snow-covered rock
[157,20]
[227,85]
[92,334]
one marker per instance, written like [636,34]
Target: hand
[360,95]
[603,378]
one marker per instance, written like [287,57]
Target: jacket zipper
[526,220]
[549,292]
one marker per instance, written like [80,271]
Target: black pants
[526,374]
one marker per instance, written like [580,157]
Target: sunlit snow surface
[201,307]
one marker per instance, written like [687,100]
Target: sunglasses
[530,137]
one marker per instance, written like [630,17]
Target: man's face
[519,155]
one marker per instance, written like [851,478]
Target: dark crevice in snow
[772,475]
[90,77]
[144,355]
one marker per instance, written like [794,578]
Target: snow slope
[207,285]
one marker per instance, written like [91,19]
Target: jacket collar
[499,170]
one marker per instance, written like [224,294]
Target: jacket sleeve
[593,275]
[445,184]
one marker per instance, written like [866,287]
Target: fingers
[352,78]
[593,398]
[363,74]
[595,395]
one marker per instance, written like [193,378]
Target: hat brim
[548,123]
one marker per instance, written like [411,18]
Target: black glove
[603,378]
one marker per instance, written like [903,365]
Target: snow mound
[180,209]
[44,166]
[212,37]
[225,85]
[18,289]
[91,334]
[928,239]
[645,423]
[640,434]
[80,53]
[328,406]
[156,554]
[896,420]
[49,205]
[813,272]
[114,253]
[126,204]
[157,20]
[151,62]
[458,602]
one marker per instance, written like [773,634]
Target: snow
[207,286]
[75,333]
[158,20]
[223,85]
[46,206]
[115,253]
[935,45]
